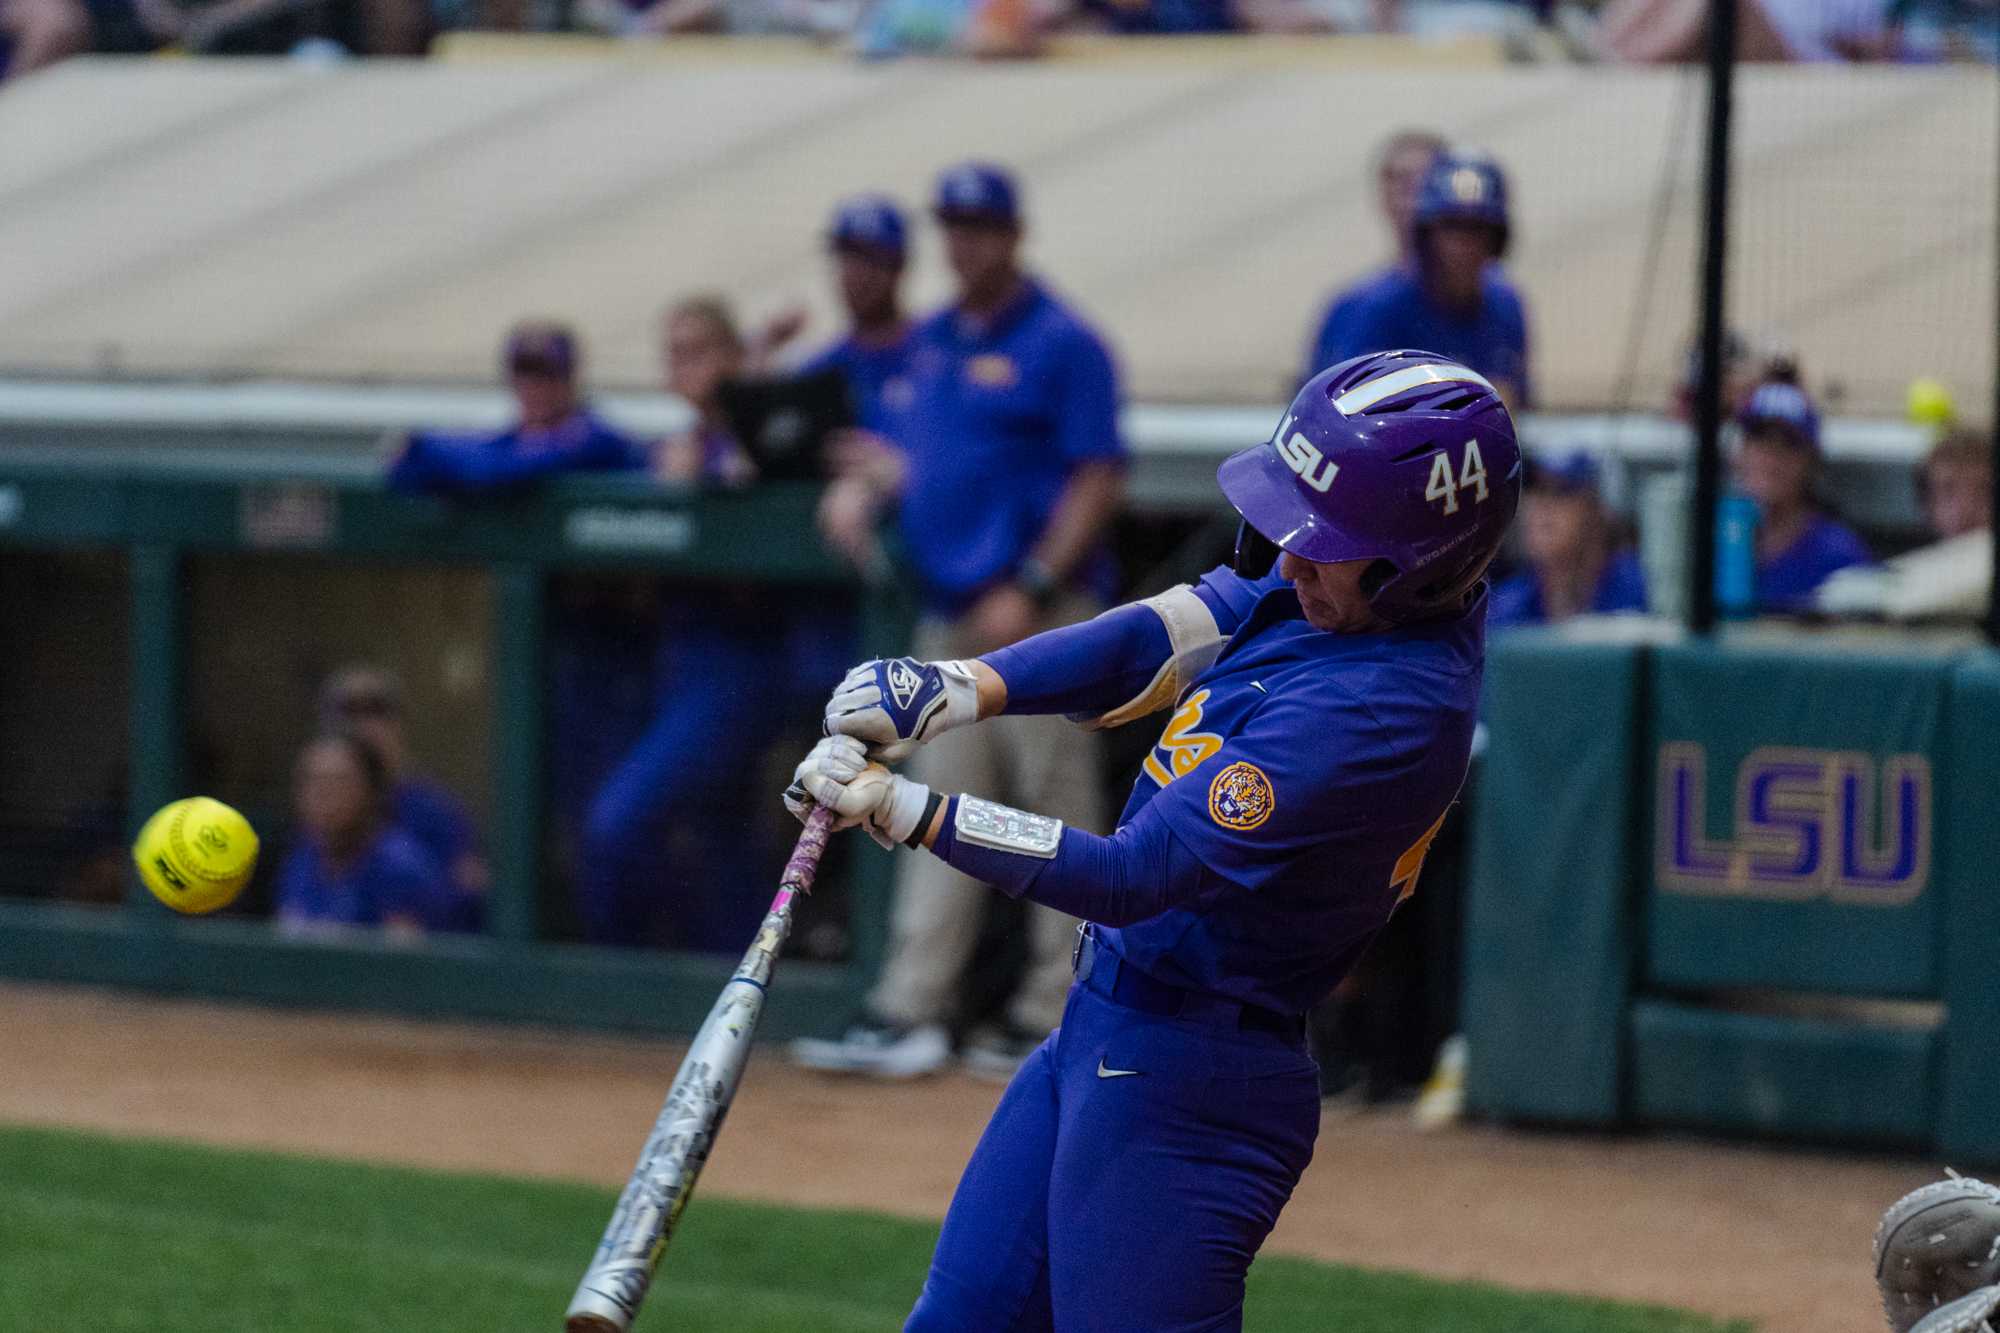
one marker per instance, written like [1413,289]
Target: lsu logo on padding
[1181,747]
[1808,824]
[1240,797]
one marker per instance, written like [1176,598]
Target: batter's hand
[894,706]
[836,774]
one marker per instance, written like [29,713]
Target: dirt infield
[1779,1236]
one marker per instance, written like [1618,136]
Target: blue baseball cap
[977,192]
[541,347]
[1570,473]
[1776,404]
[869,222]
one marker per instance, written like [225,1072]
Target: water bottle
[1735,555]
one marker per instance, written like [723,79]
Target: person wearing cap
[1777,462]
[1455,300]
[554,431]
[1012,470]
[1400,165]
[1572,568]
[369,702]
[870,244]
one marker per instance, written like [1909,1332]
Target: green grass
[114,1235]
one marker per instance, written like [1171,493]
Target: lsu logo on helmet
[1240,797]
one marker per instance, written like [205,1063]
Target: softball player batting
[1323,719]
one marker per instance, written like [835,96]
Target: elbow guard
[1195,641]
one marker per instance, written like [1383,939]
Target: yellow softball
[1930,403]
[196,854]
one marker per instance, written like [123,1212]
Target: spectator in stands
[1456,301]
[34,33]
[1652,31]
[870,246]
[1573,567]
[657,866]
[351,866]
[703,347]
[1744,366]
[1952,578]
[1400,166]
[555,431]
[1014,468]
[1798,543]
[828,19]
[1956,484]
[369,702]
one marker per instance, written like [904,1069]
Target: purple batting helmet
[1404,458]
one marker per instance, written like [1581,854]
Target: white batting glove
[898,703]
[836,774]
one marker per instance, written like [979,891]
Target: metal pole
[1714,267]
[1993,429]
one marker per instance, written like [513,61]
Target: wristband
[915,841]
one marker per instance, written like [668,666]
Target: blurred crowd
[975,452]
[34,33]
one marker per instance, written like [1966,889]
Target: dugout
[1741,884]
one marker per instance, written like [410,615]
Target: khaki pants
[1043,764]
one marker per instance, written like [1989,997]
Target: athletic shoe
[879,1048]
[996,1050]
[1442,1102]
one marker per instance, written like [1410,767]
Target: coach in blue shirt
[869,241]
[1455,301]
[1011,468]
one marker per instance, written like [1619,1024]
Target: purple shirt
[878,377]
[1519,601]
[513,457]
[1787,580]
[1001,413]
[393,876]
[1393,310]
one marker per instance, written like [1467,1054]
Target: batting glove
[837,774]
[898,704]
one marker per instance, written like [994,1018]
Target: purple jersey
[517,456]
[1308,771]
[1787,580]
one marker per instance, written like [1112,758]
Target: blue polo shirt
[581,442]
[1308,772]
[1787,581]
[1393,310]
[878,377]
[1001,412]
[1518,600]
[393,876]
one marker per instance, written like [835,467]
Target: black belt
[1120,982]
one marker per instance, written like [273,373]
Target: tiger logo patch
[1240,797]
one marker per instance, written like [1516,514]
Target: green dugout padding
[1549,928]
[1969,1107]
[1794,838]
[1790,1077]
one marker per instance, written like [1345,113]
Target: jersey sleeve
[1299,774]
[1087,406]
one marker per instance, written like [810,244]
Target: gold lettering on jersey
[1181,747]
[1411,863]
